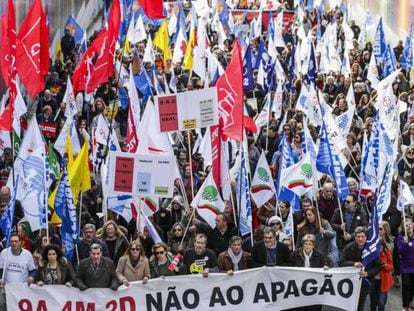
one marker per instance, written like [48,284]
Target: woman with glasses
[176,236]
[406,167]
[318,227]
[277,224]
[133,266]
[161,261]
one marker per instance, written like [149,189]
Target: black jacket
[220,242]
[259,254]
[104,277]
[317,260]
[352,254]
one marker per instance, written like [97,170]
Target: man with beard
[200,259]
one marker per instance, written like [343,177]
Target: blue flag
[6,220]
[372,246]
[407,55]
[66,210]
[126,8]
[328,162]
[248,81]
[243,188]
[287,158]
[380,46]
[388,62]
[311,75]
[75,29]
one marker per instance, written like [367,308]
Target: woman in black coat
[308,256]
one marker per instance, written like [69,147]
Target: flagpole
[405,229]
[80,211]
[191,165]
[267,125]
[180,182]
[138,222]
[187,226]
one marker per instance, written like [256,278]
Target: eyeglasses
[410,152]
[135,249]
[159,253]
[349,202]
[275,223]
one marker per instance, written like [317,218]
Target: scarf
[307,259]
[235,259]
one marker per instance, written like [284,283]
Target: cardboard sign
[187,110]
[141,175]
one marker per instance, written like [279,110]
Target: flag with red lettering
[32,51]
[230,97]
[8,64]
[152,8]
[104,65]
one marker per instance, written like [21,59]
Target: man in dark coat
[218,238]
[270,252]
[352,256]
[96,271]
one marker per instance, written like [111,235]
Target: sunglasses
[275,223]
[381,229]
[135,249]
[349,202]
[410,152]
[159,253]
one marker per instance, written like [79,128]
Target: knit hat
[179,199]
[274,219]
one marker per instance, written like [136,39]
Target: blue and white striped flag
[6,220]
[66,210]
[328,162]
[380,46]
[407,55]
[245,207]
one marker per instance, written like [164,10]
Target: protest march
[226,154]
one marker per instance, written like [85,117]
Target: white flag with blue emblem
[405,196]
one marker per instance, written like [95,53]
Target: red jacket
[386,278]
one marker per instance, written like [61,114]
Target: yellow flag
[188,57]
[68,148]
[54,220]
[161,40]
[79,175]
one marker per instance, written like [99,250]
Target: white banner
[141,175]
[274,288]
[187,110]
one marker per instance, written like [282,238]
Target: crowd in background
[327,233]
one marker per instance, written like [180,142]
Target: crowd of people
[326,233]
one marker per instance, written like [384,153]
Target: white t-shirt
[17,267]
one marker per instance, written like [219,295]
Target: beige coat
[125,270]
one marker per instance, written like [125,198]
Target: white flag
[208,201]
[405,196]
[263,187]
[372,74]
[69,100]
[300,177]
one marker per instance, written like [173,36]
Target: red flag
[230,97]
[152,8]
[80,74]
[8,44]
[131,138]
[216,153]
[104,65]
[8,64]
[32,52]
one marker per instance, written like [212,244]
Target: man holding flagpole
[352,255]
